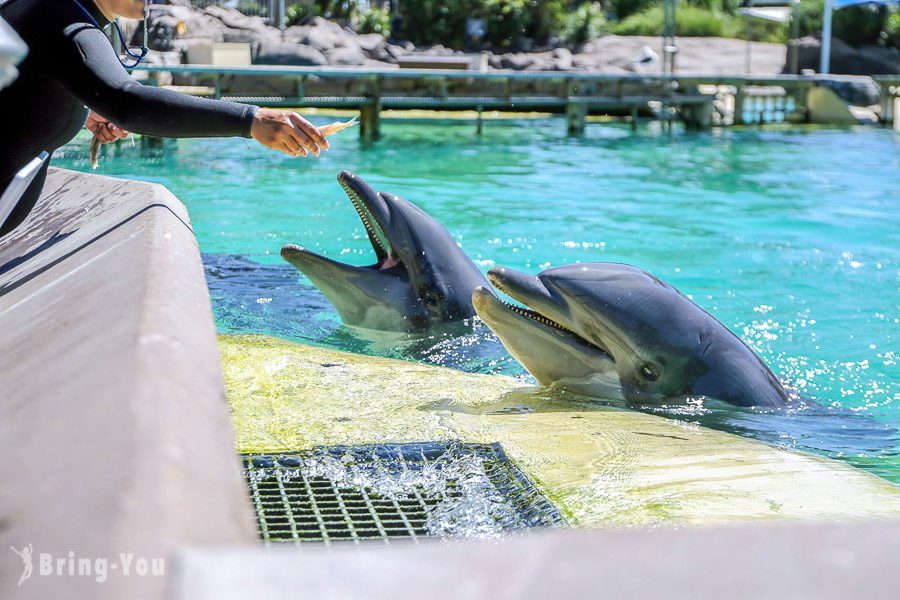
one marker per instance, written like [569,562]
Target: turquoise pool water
[789,236]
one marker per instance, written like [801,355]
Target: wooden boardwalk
[695,100]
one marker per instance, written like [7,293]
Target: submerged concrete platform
[601,466]
[114,433]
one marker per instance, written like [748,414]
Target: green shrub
[584,23]
[336,10]
[297,14]
[811,12]
[546,18]
[510,20]
[251,7]
[625,8]
[429,22]
[690,21]
[375,20]
[856,25]
[860,25]
[506,21]
[892,30]
[710,5]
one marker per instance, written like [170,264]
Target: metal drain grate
[392,491]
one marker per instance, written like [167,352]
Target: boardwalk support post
[576,112]
[370,120]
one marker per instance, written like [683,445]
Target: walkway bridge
[698,101]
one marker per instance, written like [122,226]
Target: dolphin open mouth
[529,291]
[373,211]
[381,243]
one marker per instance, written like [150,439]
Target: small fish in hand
[337,126]
[95,151]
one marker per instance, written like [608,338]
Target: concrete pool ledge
[814,562]
[114,432]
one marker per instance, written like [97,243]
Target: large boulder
[846,60]
[370,43]
[861,92]
[322,35]
[388,53]
[235,19]
[253,38]
[562,59]
[437,50]
[321,38]
[168,24]
[161,33]
[521,61]
[269,52]
[159,59]
[347,57]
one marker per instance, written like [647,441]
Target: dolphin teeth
[535,316]
[375,233]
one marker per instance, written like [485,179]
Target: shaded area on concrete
[799,562]
[57,237]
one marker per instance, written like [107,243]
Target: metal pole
[669,31]
[825,60]
[795,27]
[749,42]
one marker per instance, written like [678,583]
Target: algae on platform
[602,466]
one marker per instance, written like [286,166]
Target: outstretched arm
[90,69]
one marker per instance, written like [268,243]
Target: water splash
[460,499]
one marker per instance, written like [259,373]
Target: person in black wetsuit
[71,67]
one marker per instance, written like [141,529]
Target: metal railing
[275,11]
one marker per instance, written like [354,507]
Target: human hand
[287,132]
[103,130]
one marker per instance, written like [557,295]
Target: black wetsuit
[72,65]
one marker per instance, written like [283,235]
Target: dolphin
[421,277]
[615,331]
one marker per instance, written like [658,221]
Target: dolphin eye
[649,372]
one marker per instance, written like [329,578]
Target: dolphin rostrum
[421,278]
[615,331]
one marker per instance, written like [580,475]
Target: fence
[260,8]
[276,11]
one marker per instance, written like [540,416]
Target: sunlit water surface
[790,237]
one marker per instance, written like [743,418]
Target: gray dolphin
[615,331]
[421,277]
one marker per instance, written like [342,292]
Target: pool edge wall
[114,430]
